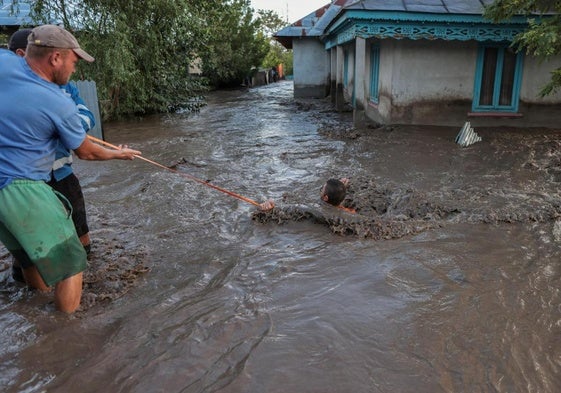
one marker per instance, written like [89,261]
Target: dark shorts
[71,189]
[36,228]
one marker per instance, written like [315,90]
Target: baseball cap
[53,36]
[18,40]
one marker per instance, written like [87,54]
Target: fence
[88,92]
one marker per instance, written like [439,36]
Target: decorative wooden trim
[416,26]
[426,31]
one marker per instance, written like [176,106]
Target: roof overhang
[415,26]
[452,20]
[15,14]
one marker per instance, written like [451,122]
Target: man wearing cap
[34,115]
[63,178]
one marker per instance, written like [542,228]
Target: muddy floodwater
[446,279]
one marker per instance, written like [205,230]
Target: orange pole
[233,194]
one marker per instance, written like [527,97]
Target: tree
[235,45]
[269,23]
[142,50]
[133,62]
[543,36]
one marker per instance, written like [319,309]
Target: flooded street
[447,279]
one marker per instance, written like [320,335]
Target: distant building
[13,16]
[196,66]
[420,62]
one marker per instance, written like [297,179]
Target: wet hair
[335,191]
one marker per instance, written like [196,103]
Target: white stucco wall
[350,72]
[385,77]
[536,75]
[416,76]
[431,70]
[311,68]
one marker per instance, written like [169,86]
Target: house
[420,62]
[13,16]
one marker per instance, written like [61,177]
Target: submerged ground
[445,280]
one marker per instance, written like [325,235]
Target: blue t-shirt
[34,115]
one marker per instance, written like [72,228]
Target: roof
[473,7]
[322,21]
[15,14]
[307,25]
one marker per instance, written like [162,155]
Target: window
[374,72]
[497,79]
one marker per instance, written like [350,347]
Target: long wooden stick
[233,194]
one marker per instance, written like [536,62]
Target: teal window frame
[374,72]
[489,78]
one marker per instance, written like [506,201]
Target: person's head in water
[333,191]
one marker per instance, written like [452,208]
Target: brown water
[446,280]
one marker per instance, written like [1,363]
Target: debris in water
[467,136]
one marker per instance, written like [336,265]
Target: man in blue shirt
[63,178]
[34,116]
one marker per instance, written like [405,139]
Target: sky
[297,9]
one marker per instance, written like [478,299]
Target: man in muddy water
[334,191]
[63,179]
[34,114]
